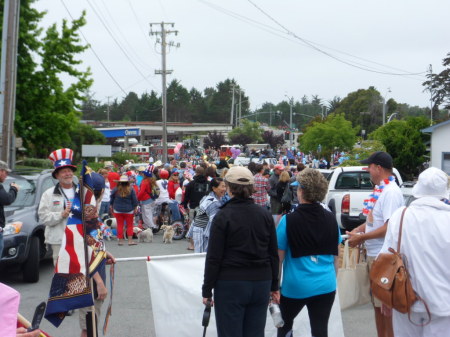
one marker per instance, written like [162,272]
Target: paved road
[132,312]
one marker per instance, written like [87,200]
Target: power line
[305,42]
[137,82]
[120,47]
[123,38]
[324,52]
[140,25]
[93,51]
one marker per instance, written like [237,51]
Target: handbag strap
[400,231]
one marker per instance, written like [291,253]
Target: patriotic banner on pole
[70,288]
[175,284]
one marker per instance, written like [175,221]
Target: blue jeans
[241,307]
[104,208]
[176,215]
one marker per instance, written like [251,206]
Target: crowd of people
[264,221]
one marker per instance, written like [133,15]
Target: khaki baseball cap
[4,166]
[240,175]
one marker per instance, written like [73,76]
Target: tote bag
[353,280]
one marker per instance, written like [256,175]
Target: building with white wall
[440,145]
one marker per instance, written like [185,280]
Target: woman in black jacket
[242,261]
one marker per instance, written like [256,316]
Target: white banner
[175,288]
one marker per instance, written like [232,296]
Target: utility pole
[107,109]
[430,69]
[384,106]
[232,105]
[240,106]
[291,103]
[8,75]
[164,72]
[270,116]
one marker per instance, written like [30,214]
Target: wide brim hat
[123,179]
[62,158]
[432,182]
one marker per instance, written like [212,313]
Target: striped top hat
[62,158]
[148,172]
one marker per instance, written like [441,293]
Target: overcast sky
[265,53]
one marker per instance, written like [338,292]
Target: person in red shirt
[174,183]
[112,176]
[147,196]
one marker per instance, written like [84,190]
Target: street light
[391,116]
[384,105]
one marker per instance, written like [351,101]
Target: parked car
[244,161]
[325,172]
[348,187]
[23,238]
[407,188]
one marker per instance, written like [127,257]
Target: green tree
[149,109]
[214,140]
[363,151]
[219,105]
[198,105]
[405,143]
[129,106]
[249,132]
[84,134]
[333,104]
[178,103]
[439,84]
[274,141]
[46,110]
[333,133]
[363,108]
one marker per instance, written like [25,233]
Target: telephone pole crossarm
[163,72]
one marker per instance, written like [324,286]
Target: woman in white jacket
[425,243]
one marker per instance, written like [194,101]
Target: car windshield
[27,191]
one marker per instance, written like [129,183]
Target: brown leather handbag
[390,281]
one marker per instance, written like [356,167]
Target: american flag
[70,287]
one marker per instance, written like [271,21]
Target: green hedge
[34,162]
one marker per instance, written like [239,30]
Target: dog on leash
[168,233]
[145,235]
[110,222]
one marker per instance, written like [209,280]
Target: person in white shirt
[384,201]
[425,243]
[54,208]
[105,203]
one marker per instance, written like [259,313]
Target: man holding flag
[82,253]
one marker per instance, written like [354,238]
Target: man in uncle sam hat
[54,208]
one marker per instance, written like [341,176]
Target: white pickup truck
[348,187]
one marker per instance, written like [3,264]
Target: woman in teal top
[308,240]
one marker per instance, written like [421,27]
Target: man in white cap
[54,208]
[425,243]
[6,198]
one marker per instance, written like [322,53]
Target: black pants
[241,307]
[319,308]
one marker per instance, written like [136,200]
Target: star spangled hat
[62,158]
